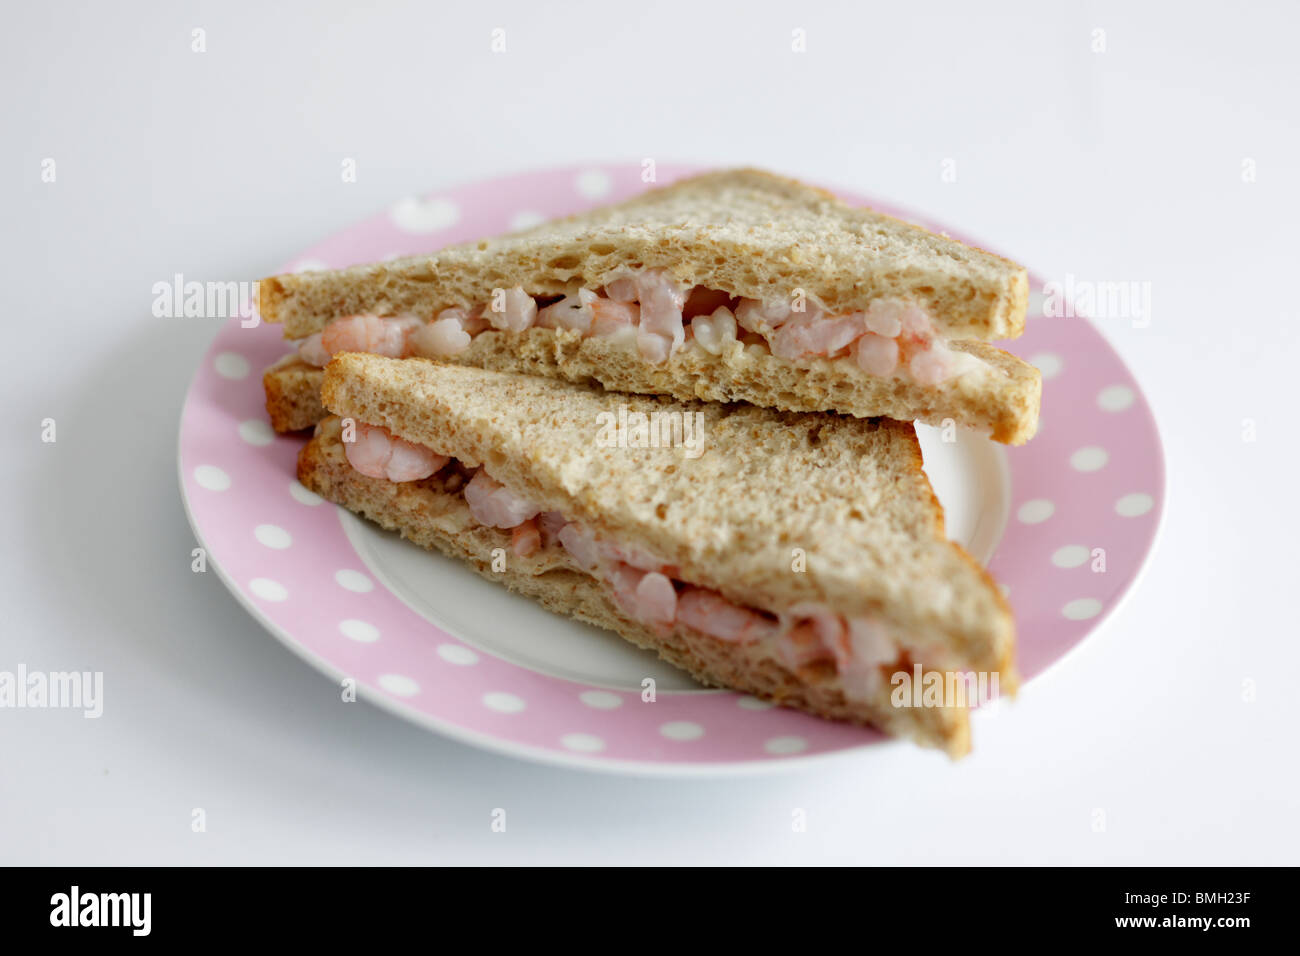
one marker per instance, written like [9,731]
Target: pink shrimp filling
[891,338]
[645,586]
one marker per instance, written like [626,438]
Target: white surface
[1122,165]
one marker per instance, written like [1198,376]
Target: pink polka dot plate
[1065,523]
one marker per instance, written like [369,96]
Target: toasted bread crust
[431,517]
[293,395]
[745,232]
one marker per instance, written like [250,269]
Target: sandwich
[798,558]
[729,286]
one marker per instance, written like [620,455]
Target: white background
[1118,165]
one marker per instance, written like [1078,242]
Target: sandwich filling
[647,310]
[860,650]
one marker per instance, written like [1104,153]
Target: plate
[1065,523]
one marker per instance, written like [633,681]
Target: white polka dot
[430,215]
[1082,609]
[1048,363]
[1036,511]
[211,477]
[593,184]
[273,536]
[1115,398]
[601,699]
[785,745]
[1131,506]
[267,589]
[399,685]
[256,432]
[353,581]
[503,703]
[1091,458]
[682,730]
[457,654]
[231,365]
[360,631]
[304,495]
[754,703]
[583,743]
[308,265]
[526,220]
[1071,556]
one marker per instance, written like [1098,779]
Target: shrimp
[715,332]
[884,317]
[814,334]
[492,504]
[914,323]
[610,317]
[526,538]
[550,524]
[710,613]
[661,332]
[864,648]
[622,290]
[876,355]
[755,316]
[581,544]
[801,645]
[931,366]
[635,555]
[647,596]
[828,625]
[443,337]
[368,333]
[378,453]
[312,352]
[518,312]
[572,312]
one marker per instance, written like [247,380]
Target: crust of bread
[293,395]
[425,513]
[1007,411]
[745,232]
[772,509]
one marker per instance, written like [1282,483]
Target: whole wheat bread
[745,232]
[427,514]
[778,509]
[1008,413]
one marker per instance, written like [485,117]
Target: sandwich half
[799,558]
[730,286]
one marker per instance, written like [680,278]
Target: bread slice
[1007,414]
[745,232]
[771,509]
[293,394]
[427,514]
